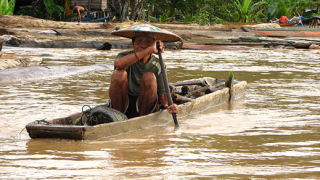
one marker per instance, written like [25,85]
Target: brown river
[273,132]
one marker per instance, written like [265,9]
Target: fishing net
[100,114]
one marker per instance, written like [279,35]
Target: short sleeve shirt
[136,70]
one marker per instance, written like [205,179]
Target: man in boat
[81,12]
[137,84]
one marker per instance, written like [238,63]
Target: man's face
[141,43]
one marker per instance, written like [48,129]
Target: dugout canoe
[286,31]
[288,25]
[63,128]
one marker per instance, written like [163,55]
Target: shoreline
[26,31]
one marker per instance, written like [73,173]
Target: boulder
[314,46]
[12,60]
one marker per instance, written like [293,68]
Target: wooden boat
[103,19]
[288,25]
[284,32]
[64,127]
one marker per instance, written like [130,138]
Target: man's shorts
[132,109]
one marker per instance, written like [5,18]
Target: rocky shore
[26,31]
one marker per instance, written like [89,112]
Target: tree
[247,11]
[289,8]
[124,9]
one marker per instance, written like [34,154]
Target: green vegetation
[7,7]
[230,74]
[53,10]
[206,11]
[46,9]
[202,12]
[246,11]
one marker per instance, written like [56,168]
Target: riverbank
[26,31]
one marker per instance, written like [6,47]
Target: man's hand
[172,109]
[155,50]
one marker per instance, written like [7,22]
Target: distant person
[81,12]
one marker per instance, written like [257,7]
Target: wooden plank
[83,3]
[92,5]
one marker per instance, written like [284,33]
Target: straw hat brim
[161,34]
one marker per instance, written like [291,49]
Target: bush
[6,7]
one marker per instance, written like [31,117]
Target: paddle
[166,85]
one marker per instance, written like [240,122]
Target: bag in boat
[100,114]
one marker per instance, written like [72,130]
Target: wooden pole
[166,84]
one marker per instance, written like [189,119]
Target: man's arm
[78,15]
[130,59]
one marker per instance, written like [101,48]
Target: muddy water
[273,132]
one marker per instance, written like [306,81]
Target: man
[137,84]
[81,12]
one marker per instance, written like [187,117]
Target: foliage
[270,12]
[182,10]
[202,18]
[6,7]
[298,7]
[165,16]
[152,19]
[54,11]
[46,9]
[282,9]
[202,12]
[206,11]
[230,74]
[277,8]
[246,11]
[32,10]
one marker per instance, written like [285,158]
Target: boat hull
[283,32]
[63,128]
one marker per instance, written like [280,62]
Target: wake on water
[41,72]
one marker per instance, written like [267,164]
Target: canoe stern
[56,131]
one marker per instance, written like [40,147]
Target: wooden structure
[92,5]
[64,128]
[271,42]
[288,25]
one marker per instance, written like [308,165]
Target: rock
[105,46]
[11,61]
[50,32]
[14,41]
[174,45]
[314,46]
[185,36]
[264,25]
[4,31]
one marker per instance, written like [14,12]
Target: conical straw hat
[159,34]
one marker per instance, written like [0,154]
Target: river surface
[273,132]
